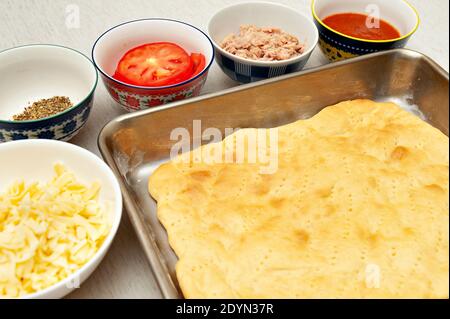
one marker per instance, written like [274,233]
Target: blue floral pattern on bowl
[51,61]
[60,127]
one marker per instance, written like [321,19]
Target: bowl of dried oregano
[46,92]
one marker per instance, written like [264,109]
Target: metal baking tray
[135,144]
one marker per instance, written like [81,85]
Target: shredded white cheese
[48,231]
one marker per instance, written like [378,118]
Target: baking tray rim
[147,240]
[411,53]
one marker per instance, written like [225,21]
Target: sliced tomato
[155,64]
[198,63]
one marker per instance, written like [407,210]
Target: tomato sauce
[355,25]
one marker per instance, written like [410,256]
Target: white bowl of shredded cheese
[60,208]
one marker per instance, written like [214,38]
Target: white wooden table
[125,273]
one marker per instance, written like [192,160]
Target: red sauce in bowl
[362,26]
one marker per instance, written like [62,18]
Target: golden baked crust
[360,198]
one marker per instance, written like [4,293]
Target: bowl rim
[94,87]
[116,213]
[414,29]
[266,63]
[153,88]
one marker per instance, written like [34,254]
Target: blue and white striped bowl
[261,14]
[33,72]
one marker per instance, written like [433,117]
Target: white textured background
[125,272]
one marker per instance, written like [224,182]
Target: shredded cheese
[48,231]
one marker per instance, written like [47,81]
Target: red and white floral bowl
[114,43]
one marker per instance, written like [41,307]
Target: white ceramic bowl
[34,72]
[114,43]
[32,160]
[262,14]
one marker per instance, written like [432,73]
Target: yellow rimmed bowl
[338,46]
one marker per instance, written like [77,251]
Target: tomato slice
[198,62]
[155,64]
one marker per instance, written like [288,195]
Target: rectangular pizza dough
[357,208]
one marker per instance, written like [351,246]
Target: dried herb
[44,108]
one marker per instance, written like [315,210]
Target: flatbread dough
[358,208]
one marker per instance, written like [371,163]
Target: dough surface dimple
[361,189]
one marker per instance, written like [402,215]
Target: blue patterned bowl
[261,14]
[33,72]
[338,46]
